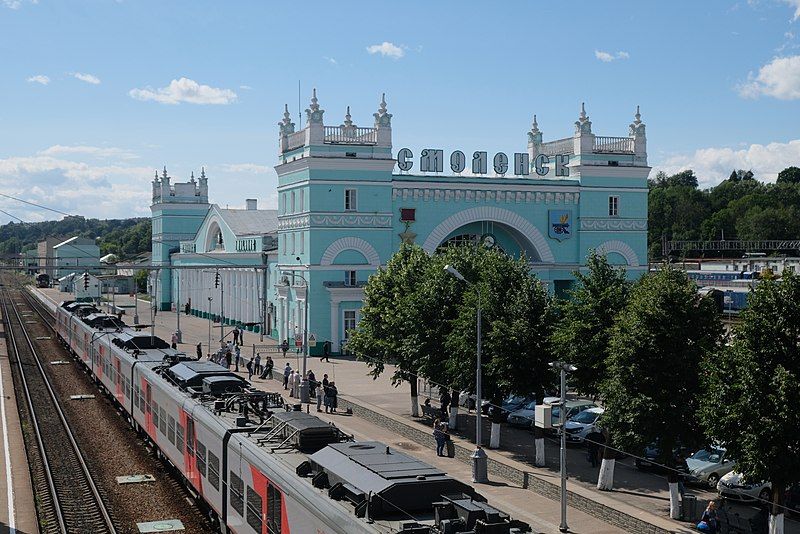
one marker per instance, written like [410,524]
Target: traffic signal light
[85,281]
[216,280]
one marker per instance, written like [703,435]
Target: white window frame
[283,203]
[302,242]
[351,200]
[613,206]
[294,242]
[356,317]
[301,204]
[283,238]
[293,204]
[351,278]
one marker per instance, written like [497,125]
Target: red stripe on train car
[190,460]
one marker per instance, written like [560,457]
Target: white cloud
[185,90]
[387,49]
[39,78]
[796,5]
[780,78]
[88,78]
[608,57]
[250,168]
[97,152]
[714,164]
[333,61]
[245,88]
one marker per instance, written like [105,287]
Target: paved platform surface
[17,510]
[638,494]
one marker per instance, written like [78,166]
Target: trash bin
[689,507]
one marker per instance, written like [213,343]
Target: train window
[179,437]
[253,509]
[190,436]
[273,510]
[171,430]
[237,491]
[163,421]
[200,454]
[213,471]
[155,413]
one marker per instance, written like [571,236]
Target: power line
[37,205]
[12,216]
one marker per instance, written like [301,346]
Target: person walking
[291,383]
[444,400]
[334,393]
[285,347]
[440,437]
[250,369]
[199,349]
[174,340]
[241,336]
[238,354]
[312,383]
[298,377]
[325,380]
[258,368]
[186,308]
[683,472]
[709,522]
[320,393]
[228,360]
[286,372]
[235,335]
[593,447]
[267,372]
[326,351]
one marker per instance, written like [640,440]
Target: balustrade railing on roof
[344,135]
[613,145]
[296,140]
[560,146]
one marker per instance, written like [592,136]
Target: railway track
[68,500]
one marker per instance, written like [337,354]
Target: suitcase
[451,448]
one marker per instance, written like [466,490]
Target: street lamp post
[564,368]
[178,332]
[479,457]
[303,378]
[209,325]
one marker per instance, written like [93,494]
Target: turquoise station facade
[347,199]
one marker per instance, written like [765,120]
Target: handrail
[559,146]
[296,140]
[614,145]
[350,135]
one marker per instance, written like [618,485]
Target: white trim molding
[337,296]
[524,228]
[350,243]
[621,248]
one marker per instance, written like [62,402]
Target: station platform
[383,412]
[17,509]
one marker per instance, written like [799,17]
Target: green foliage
[583,332]
[657,345]
[124,237]
[753,386]
[740,207]
[140,279]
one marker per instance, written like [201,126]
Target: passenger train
[259,466]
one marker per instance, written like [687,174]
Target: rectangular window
[163,421]
[213,470]
[349,322]
[201,458]
[301,205]
[293,204]
[155,414]
[302,242]
[253,509]
[283,203]
[350,200]
[190,437]
[171,430]
[237,493]
[294,243]
[350,278]
[179,437]
[274,506]
[613,206]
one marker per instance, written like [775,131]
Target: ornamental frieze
[614,225]
[478,195]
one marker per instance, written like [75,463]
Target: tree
[752,391]
[582,334]
[395,321]
[653,386]
[790,175]
[516,326]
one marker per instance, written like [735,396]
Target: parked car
[732,487]
[709,465]
[513,403]
[651,461]
[524,416]
[467,400]
[573,407]
[582,424]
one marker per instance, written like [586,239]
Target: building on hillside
[46,256]
[346,201]
[76,254]
[29,261]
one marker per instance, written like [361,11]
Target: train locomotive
[259,466]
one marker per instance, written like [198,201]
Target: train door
[118,381]
[148,412]
[189,455]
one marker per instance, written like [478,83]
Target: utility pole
[178,305]
[563,367]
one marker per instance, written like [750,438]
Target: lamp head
[454,272]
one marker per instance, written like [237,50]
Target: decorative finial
[535,126]
[156,174]
[314,113]
[383,103]
[202,173]
[637,117]
[165,171]
[347,119]
[583,116]
[382,117]
[287,117]
[314,102]
[583,125]
[192,178]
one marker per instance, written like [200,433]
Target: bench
[430,411]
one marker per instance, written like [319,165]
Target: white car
[709,465]
[731,486]
[581,425]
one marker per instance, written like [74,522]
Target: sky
[96,95]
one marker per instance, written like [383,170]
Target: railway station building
[347,199]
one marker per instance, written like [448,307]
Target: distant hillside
[124,237]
